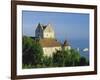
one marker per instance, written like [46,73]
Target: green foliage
[32,51]
[58,58]
[83,61]
[33,56]
[66,58]
[47,61]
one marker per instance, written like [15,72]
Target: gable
[48,28]
[39,28]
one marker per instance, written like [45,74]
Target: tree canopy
[32,51]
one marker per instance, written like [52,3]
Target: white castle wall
[48,51]
[48,35]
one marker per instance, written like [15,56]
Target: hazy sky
[65,25]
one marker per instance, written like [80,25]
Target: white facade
[48,35]
[48,51]
[44,31]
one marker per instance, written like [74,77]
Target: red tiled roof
[49,43]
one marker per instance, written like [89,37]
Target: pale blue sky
[66,25]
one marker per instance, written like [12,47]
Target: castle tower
[66,45]
[44,31]
[39,31]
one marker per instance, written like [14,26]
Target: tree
[58,59]
[75,56]
[27,54]
[66,58]
[32,51]
[83,61]
[37,52]
[47,61]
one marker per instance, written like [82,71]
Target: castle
[47,39]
